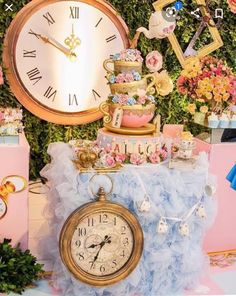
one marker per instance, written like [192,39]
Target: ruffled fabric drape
[170,262]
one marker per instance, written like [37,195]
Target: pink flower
[1,76]
[123,98]
[163,154]
[154,61]
[120,78]
[110,161]
[232,5]
[137,159]
[129,77]
[142,100]
[154,157]
[120,157]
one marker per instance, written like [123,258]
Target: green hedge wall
[135,13]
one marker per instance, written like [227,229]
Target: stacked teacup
[130,103]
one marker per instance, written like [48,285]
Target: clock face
[58,50]
[102,243]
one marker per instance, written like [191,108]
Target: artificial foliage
[136,13]
[18,269]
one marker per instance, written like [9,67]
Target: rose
[191,108]
[123,99]
[204,109]
[154,157]
[142,100]
[120,78]
[232,5]
[163,154]
[1,116]
[137,159]
[110,161]
[120,157]
[1,76]
[129,77]
[154,61]
[164,84]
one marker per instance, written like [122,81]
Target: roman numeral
[49,93]
[29,54]
[95,95]
[49,18]
[74,12]
[34,75]
[109,39]
[98,22]
[35,34]
[73,100]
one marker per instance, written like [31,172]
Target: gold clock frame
[205,50]
[102,205]
[18,88]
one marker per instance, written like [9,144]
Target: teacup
[122,66]
[133,116]
[133,87]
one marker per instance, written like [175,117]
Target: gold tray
[114,169]
[144,130]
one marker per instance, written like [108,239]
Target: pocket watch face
[102,243]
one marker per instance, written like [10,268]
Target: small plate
[144,130]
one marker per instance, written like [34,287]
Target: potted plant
[18,269]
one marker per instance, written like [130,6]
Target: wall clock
[101,242]
[54,52]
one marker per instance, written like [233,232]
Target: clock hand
[107,239]
[56,44]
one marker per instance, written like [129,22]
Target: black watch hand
[102,244]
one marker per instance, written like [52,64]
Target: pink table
[222,235]
[14,160]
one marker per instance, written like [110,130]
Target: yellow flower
[208,96]
[226,96]
[204,109]
[192,68]
[191,108]
[218,97]
[164,84]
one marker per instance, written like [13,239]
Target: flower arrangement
[8,115]
[109,159]
[141,98]
[124,77]
[128,55]
[10,121]
[164,85]
[209,83]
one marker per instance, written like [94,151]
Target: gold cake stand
[144,130]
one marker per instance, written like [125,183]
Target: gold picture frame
[205,50]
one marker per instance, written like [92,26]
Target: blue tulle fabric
[170,262]
[231,177]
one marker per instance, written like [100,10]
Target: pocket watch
[101,242]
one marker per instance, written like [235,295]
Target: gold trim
[68,231]
[205,50]
[222,258]
[114,169]
[16,85]
[16,176]
[2,198]
[144,130]
[136,107]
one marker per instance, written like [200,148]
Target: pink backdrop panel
[222,235]
[15,161]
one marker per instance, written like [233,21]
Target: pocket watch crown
[102,196]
